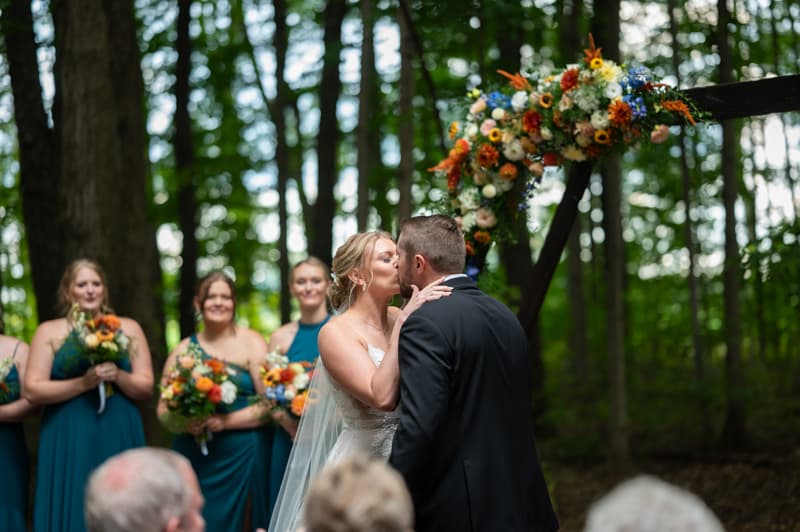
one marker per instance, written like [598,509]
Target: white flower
[111,346]
[545,133]
[229,391]
[582,140]
[470,130]
[498,113]
[513,151]
[613,91]
[519,101]
[289,392]
[489,191]
[123,341]
[91,341]
[300,381]
[468,200]
[468,220]
[600,119]
[565,104]
[573,153]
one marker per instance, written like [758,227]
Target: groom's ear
[419,263]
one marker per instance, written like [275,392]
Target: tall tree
[405,128]
[605,28]
[184,169]
[38,157]
[734,434]
[328,137]
[367,141]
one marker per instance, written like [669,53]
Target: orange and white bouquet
[194,389]
[286,384]
[100,339]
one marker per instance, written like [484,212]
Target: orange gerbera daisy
[487,156]
[569,79]
[104,336]
[298,403]
[509,171]
[619,113]
[111,321]
[531,121]
[217,366]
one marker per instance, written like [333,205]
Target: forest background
[167,139]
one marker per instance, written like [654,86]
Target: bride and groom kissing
[440,388]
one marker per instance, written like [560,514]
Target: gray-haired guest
[146,488]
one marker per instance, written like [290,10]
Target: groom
[465,442]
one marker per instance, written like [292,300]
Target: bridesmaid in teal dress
[308,282]
[233,474]
[75,435]
[13,452]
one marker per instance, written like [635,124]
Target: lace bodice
[363,426]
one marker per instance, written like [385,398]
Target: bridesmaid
[233,474]
[75,437]
[309,281]
[13,452]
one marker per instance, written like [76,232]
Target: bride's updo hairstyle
[352,256]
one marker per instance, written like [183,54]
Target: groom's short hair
[438,238]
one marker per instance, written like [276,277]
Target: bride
[356,381]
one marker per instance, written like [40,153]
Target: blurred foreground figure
[647,504]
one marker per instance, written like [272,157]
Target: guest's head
[358,495]
[84,283]
[364,261]
[309,282]
[215,298]
[144,489]
[428,247]
[647,504]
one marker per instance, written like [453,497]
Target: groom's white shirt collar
[454,276]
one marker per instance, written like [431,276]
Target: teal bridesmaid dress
[303,349]
[13,464]
[74,439]
[233,474]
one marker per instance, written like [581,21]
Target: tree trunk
[38,158]
[367,135]
[185,171]
[328,137]
[734,434]
[104,166]
[605,28]
[405,173]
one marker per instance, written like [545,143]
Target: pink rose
[487,126]
[659,134]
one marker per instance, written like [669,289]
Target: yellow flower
[495,135]
[453,130]
[601,136]
[91,341]
[546,100]
[596,63]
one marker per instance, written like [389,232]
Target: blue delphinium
[636,103]
[498,99]
[637,77]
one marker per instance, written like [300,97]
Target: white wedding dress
[334,426]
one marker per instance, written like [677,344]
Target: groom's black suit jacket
[465,443]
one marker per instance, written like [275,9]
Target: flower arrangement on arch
[194,388]
[100,339]
[286,384]
[555,118]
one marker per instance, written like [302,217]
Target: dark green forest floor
[748,492]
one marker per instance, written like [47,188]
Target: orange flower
[470,249]
[546,100]
[569,79]
[217,366]
[482,237]
[204,384]
[678,107]
[531,121]
[177,387]
[619,113]
[509,171]
[453,177]
[516,80]
[453,130]
[111,321]
[487,156]
[592,53]
[104,336]
[287,375]
[298,404]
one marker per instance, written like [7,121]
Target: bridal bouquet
[548,118]
[286,384]
[193,390]
[100,339]
[6,390]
